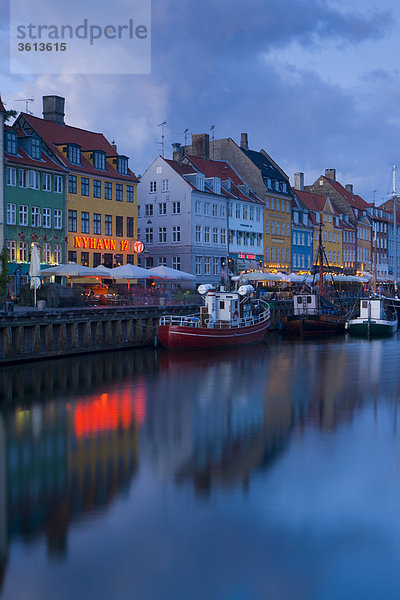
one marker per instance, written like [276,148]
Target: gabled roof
[22,158]
[353,199]
[267,167]
[55,135]
[312,201]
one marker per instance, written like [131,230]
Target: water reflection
[75,434]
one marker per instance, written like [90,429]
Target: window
[176,234]
[47,182]
[162,208]
[35,216]
[215,265]
[165,185]
[266,202]
[288,229]
[215,210]
[96,188]
[223,236]
[278,230]
[153,187]
[11,142]
[74,154]
[12,250]
[118,192]
[272,203]
[162,261]
[72,184]
[84,222]
[57,218]
[58,184]
[97,223]
[176,208]
[34,180]
[207,235]
[273,227]
[107,224]
[222,211]
[238,211]
[11,176]
[162,235]
[11,214]
[129,226]
[96,259]
[23,214]
[149,235]
[23,179]
[148,210]
[176,262]
[99,160]
[245,211]
[36,148]
[85,186]
[207,265]
[215,235]
[119,226]
[206,208]
[199,264]
[130,260]
[72,256]
[122,165]
[23,252]
[108,190]
[278,207]
[47,218]
[46,252]
[267,226]
[251,213]
[197,207]
[72,220]
[129,193]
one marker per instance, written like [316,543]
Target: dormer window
[200,181]
[74,154]
[99,160]
[36,148]
[11,142]
[123,165]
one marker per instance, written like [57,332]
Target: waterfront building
[349,232]
[326,214]
[267,180]
[388,212]
[101,195]
[303,223]
[2,120]
[183,221]
[353,206]
[380,242]
[34,204]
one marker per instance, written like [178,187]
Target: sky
[313,82]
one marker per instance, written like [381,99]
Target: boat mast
[395,227]
[321,262]
[375,254]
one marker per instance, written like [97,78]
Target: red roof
[353,199]
[312,201]
[55,135]
[22,158]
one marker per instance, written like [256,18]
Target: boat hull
[305,325]
[373,328]
[177,336]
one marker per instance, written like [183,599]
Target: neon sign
[248,256]
[102,244]
[138,246]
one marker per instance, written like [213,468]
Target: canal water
[270,472]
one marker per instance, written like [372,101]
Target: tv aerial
[26,100]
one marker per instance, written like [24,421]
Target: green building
[34,204]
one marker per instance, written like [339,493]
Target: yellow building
[101,212]
[277,231]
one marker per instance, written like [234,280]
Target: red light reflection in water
[110,411]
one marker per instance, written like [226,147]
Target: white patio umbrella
[34,271]
[168,273]
[130,272]
[258,276]
[71,270]
[103,271]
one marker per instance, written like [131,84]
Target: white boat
[378,317]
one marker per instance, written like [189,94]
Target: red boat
[227,319]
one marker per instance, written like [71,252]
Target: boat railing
[194,320]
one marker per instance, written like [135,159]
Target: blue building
[302,236]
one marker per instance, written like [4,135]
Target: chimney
[53,109]
[244,141]
[299,181]
[331,174]
[114,146]
[349,188]
[201,145]
[177,152]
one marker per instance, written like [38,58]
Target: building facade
[101,214]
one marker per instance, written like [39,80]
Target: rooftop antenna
[374,196]
[185,133]
[212,129]
[162,125]
[26,100]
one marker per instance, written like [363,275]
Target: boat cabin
[305,304]
[222,306]
[372,309]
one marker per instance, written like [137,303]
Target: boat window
[309,299]
[221,305]
[365,303]
[299,300]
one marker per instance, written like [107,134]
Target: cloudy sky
[313,82]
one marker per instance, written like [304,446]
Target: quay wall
[35,335]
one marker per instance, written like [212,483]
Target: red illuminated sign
[248,256]
[138,246]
